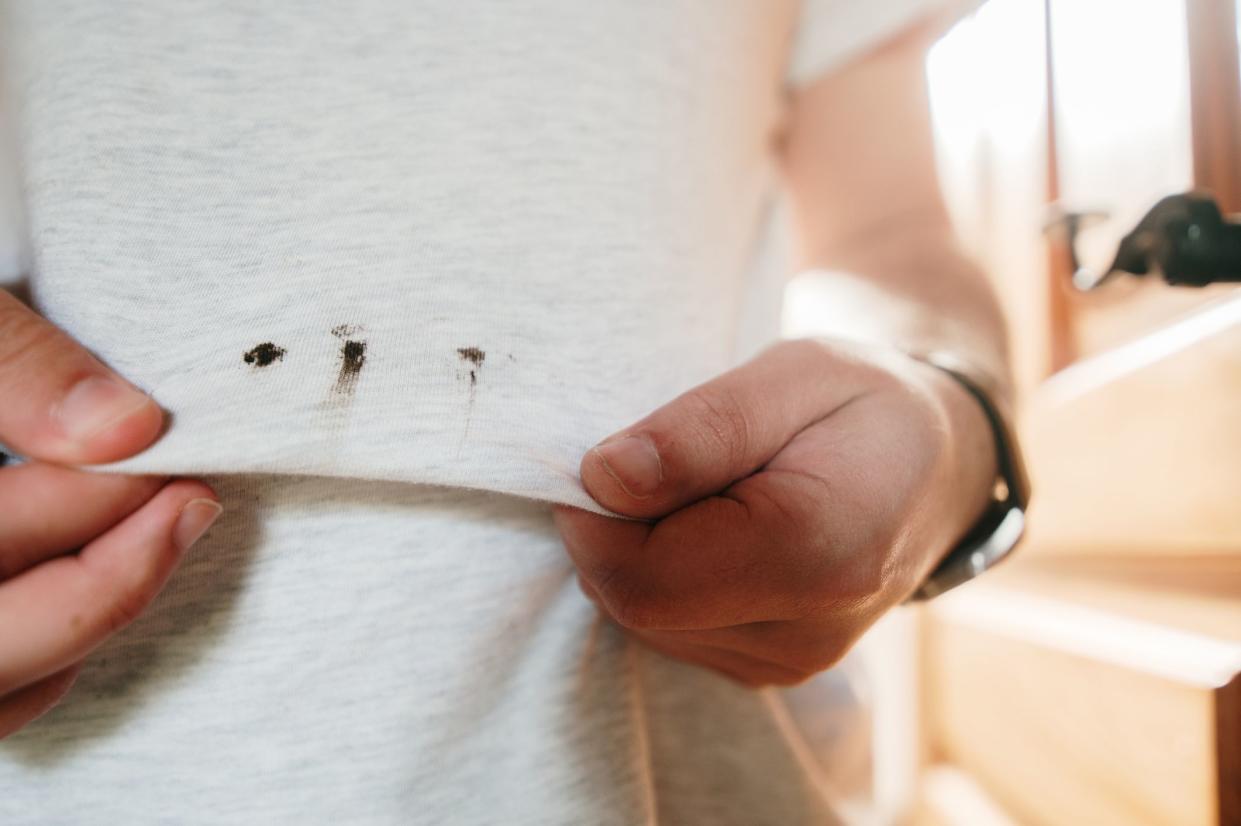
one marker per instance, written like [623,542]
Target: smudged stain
[264,354]
[473,355]
[338,398]
[344,331]
[352,357]
[476,357]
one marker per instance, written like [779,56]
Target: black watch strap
[1002,525]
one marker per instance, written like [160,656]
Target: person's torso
[429,243]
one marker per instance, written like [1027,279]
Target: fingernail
[634,463]
[196,516]
[94,404]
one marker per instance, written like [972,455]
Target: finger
[599,545]
[807,646]
[23,707]
[721,431]
[740,668]
[772,643]
[60,404]
[50,510]
[64,608]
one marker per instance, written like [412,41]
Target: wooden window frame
[1214,67]
[1215,99]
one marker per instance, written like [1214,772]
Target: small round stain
[264,354]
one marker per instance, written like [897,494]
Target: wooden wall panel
[1070,712]
[1146,462]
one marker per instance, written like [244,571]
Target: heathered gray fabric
[479,236]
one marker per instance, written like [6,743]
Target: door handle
[1184,239]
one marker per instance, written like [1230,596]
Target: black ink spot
[353,356]
[264,354]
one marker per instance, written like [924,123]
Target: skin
[81,554]
[788,504]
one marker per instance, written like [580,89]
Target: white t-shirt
[369,255]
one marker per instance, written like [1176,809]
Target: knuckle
[854,565]
[871,574]
[791,521]
[722,420]
[631,606]
[125,598]
[125,608]
[866,578]
[631,612]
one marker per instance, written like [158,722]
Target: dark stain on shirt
[474,356]
[353,356]
[346,330]
[264,354]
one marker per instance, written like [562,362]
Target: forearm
[911,287]
[859,163]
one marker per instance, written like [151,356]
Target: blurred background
[1094,678]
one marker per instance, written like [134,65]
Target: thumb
[60,404]
[721,431]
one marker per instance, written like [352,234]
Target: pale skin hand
[81,554]
[789,503]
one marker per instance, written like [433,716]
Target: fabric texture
[389,265]
[374,652]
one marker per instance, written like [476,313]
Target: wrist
[971,441]
[999,527]
[968,461]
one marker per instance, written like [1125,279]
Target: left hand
[787,505]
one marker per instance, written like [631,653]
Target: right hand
[81,554]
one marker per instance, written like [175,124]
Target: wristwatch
[1001,527]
